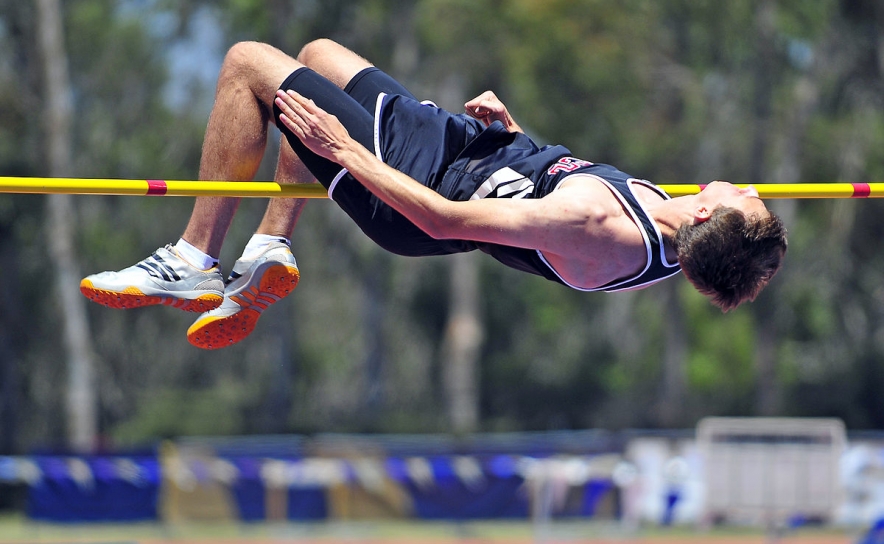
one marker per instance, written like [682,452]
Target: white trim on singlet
[641,228]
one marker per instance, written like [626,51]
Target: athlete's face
[722,193]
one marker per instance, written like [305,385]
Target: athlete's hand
[488,108]
[319,130]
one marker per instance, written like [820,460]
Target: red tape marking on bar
[861,190]
[156,187]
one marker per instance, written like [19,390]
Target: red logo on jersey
[567,164]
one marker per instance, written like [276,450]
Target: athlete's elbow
[440,228]
[441,220]
[436,230]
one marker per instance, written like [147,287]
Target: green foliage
[722,356]
[669,91]
[169,413]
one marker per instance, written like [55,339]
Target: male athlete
[419,180]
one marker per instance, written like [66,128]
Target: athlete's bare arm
[572,226]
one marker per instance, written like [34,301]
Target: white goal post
[771,470]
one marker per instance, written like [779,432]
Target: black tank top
[502,164]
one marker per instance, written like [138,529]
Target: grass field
[16,530]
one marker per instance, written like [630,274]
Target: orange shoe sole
[132,297]
[214,332]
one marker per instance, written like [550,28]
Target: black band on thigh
[358,121]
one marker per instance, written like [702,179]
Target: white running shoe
[253,285]
[162,278]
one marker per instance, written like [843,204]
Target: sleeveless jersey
[519,169]
[495,163]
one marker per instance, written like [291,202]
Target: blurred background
[674,91]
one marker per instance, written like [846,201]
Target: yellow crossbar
[145,187]
[158,187]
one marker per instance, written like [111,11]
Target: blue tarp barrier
[307,504]
[250,494]
[498,494]
[94,489]
[107,488]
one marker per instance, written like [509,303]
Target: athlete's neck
[670,215]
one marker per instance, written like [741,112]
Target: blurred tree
[681,90]
[82,404]
[13,214]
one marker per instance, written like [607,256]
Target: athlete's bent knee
[241,53]
[238,59]
[317,50]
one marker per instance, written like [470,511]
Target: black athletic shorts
[355,106]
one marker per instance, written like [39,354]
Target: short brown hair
[731,256]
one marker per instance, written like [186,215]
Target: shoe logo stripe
[157,268]
[167,270]
[149,269]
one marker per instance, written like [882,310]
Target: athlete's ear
[702,213]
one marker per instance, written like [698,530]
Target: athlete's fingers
[302,101]
[295,104]
[484,97]
[285,102]
[288,116]
[319,130]
[314,117]
[486,112]
[302,111]
[292,117]
[292,126]
[476,112]
[307,108]
[477,109]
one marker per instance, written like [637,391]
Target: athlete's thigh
[260,66]
[347,70]
[333,61]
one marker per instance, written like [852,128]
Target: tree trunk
[11,334]
[461,346]
[81,401]
[464,330]
[674,383]
[768,386]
